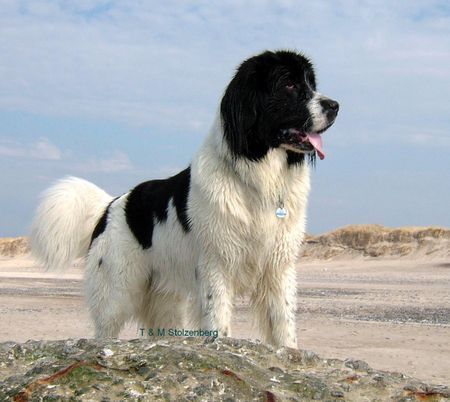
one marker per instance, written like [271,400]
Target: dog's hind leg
[161,311]
[108,323]
[107,299]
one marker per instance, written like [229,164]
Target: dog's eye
[290,86]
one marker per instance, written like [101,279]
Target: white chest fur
[234,203]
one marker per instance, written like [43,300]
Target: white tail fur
[64,221]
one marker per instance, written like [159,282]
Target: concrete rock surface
[193,369]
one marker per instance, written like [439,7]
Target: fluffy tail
[65,219]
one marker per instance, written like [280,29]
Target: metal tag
[281,213]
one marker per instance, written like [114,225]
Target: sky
[119,92]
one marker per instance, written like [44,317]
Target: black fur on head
[266,99]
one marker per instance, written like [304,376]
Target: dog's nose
[330,105]
[330,108]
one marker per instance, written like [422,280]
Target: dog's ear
[240,109]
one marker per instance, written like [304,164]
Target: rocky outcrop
[193,369]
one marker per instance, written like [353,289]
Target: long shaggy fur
[64,221]
[174,253]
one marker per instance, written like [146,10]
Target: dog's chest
[267,242]
[235,210]
[271,221]
[275,221]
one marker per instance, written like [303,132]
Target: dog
[174,253]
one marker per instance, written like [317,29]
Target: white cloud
[11,150]
[44,149]
[431,139]
[116,161]
[41,149]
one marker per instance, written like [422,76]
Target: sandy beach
[392,313]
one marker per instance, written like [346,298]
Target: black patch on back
[150,200]
[101,224]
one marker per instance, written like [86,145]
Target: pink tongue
[316,142]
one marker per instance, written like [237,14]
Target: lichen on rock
[190,369]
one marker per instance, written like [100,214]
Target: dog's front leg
[275,302]
[215,297]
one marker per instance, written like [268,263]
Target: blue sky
[118,92]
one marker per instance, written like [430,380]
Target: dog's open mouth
[303,142]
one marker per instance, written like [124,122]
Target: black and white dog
[173,253]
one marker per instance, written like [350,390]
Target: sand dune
[348,242]
[13,246]
[380,242]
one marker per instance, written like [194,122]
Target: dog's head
[272,102]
